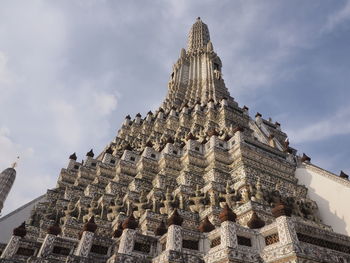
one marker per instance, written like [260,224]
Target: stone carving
[168,203]
[230,197]
[197,200]
[69,212]
[141,205]
[93,210]
[116,206]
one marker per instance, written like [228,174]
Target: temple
[196,181]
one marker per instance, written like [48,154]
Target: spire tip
[15,163]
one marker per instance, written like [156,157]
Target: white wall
[15,218]
[331,193]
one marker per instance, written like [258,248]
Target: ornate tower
[197,181]
[196,76]
[7,178]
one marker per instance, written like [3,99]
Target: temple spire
[198,36]
[7,178]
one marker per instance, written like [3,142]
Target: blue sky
[70,71]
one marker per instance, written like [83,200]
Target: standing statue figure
[156,201]
[141,205]
[69,212]
[115,207]
[213,199]
[103,207]
[230,197]
[168,203]
[181,200]
[259,194]
[92,211]
[198,201]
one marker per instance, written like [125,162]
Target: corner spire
[198,36]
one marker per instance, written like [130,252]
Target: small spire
[90,153]
[206,226]
[175,219]
[281,209]
[54,229]
[109,150]
[130,222]
[343,175]
[149,144]
[118,231]
[73,156]
[128,147]
[90,225]
[190,136]
[170,140]
[305,158]
[20,231]
[255,222]
[227,214]
[161,229]
[15,163]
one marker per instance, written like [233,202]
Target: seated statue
[244,195]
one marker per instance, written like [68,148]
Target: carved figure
[213,199]
[245,195]
[70,211]
[230,197]
[258,195]
[92,211]
[141,205]
[168,203]
[115,207]
[198,201]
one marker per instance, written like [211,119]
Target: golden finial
[15,163]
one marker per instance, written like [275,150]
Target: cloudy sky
[71,70]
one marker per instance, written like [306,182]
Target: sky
[71,70]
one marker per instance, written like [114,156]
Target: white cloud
[75,120]
[67,126]
[335,124]
[105,103]
[338,17]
